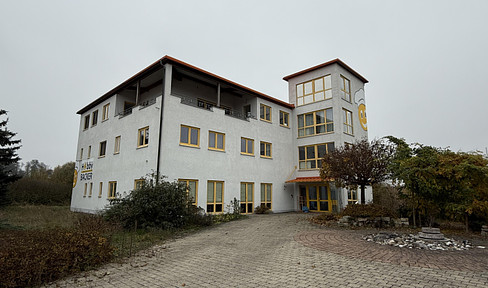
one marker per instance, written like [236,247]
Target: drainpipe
[160,123]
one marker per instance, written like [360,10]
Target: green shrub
[33,257]
[262,209]
[162,205]
[367,210]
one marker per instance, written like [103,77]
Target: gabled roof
[335,61]
[168,59]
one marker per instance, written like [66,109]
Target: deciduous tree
[359,164]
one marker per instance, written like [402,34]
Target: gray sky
[424,59]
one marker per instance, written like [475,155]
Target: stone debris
[412,241]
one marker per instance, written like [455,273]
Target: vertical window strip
[105,112]
[348,128]
[346,89]
[247,202]
[112,189]
[143,137]
[191,189]
[117,145]
[91,190]
[266,191]
[284,118]
[216,141]
[215,196]
[100,190]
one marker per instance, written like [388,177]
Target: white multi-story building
[222,139]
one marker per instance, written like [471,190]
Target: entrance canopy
[306,180]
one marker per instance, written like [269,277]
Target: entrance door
[317,197]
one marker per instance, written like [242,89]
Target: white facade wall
[178,161]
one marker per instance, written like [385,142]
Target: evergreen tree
[8,158]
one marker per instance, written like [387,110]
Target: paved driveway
[284,250]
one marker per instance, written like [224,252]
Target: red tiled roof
[306,179]
[338,61]
[171,60]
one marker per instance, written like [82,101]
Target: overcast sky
[426,61]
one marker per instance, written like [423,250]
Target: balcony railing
[200,104]
[141,105]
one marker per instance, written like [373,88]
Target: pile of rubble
[414,241]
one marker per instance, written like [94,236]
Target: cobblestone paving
[281,250]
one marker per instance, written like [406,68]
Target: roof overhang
[170,60]
[335,61]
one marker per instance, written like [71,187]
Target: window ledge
[104,120]
[140,147]
[284,126]
[116,153]
[189,146]
[216,150]
[266,157]
[246,154]
[267,121]
[99,157]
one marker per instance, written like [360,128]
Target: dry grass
[37,217]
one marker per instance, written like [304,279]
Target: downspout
[160,123]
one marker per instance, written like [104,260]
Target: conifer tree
[8,158]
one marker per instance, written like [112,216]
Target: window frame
[187,184]
[315,125]
[94,120]
[247,146]
[117,144]
[264,200]
[100,188]
[103,145]
[87,122]
[282,118]
[316,159]
[145,138]
[347,121]
[263,113]
[350,196]
[105,111]
[112,190]
[81,154]
[91,190]
[247,205]
[266,144]
[86,188]
[346,89]
[216,138]
[137,181]
[89,152]
[314,92]
[190,128]
[215,203]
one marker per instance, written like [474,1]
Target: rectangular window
[265,113]
[105,112]
[91,190]
[112,189]
[314,123]
[247,146]
[315,90]
[266,189]
[191,189]
[190,136]
[143,137]
[346,89]
[117,145]
[103,148]
[284,117]
[215,196]
[100,190]
[87,122]
[138,183]
[310,157]
[347,115]
[265,149]
[352,196]
[247,192]
[86,188]
[89,152]
[216,141]
[94,117]
[81,154]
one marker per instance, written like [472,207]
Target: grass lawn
[37,217]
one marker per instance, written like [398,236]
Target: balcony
[203,104]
